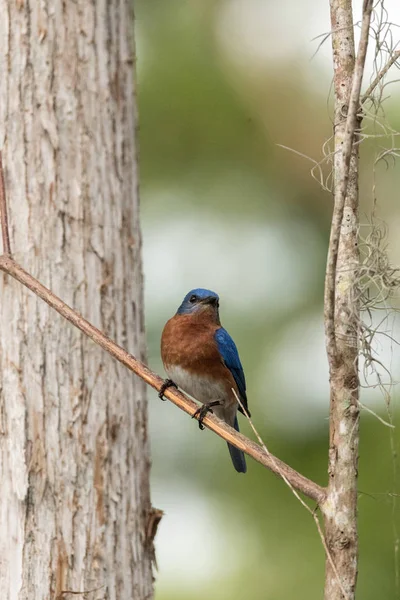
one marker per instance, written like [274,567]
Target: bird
[201,358]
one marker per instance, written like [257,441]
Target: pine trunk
[74,454]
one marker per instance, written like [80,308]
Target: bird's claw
[201,412]
[167,383]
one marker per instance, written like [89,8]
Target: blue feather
[230,356]
[237,455]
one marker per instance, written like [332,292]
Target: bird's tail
[237,455]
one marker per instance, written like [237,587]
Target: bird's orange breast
[188,341]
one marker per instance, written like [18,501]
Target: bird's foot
[167,383]
[203,410]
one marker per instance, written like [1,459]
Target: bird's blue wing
[230,356]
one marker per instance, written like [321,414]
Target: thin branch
[299,482]
[312,512]
[264,447]
[395,56]
[3,212]
[376,416]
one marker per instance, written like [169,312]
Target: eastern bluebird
[200,357]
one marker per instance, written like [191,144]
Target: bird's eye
[193,298]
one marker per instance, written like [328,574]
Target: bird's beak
[210,300]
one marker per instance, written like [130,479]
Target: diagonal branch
[313,513]
[395,56]
[299,482]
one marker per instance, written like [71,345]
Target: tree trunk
[340,507]
[74,454]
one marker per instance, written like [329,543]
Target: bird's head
[200,300]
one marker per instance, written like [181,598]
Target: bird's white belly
[204,389]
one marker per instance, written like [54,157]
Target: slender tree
[74,455]
[342,311]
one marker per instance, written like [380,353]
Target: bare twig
[264,447]
[312,512]
[298,481]
[395,56]
[376,416]
[3,212]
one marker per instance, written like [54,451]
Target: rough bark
[342,326]
[74,455]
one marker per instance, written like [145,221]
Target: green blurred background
[222,83]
